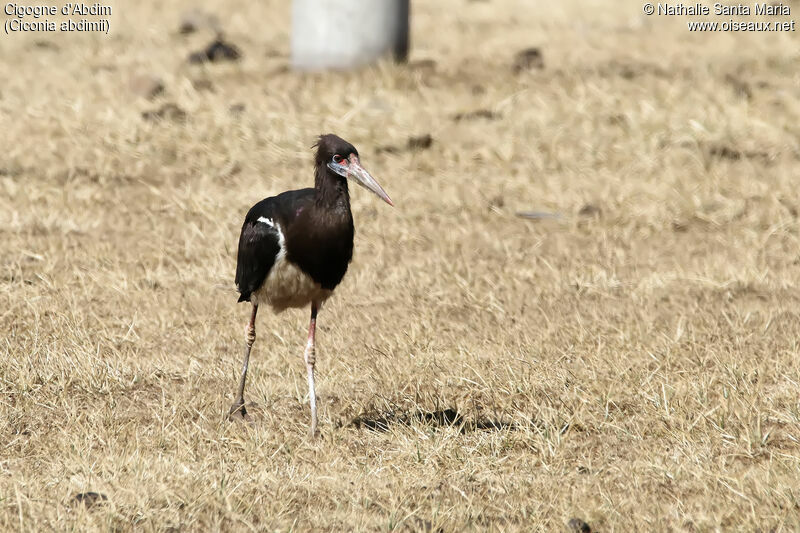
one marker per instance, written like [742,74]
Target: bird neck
[332,192]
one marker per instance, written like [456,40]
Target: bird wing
[261,239]
[259,245]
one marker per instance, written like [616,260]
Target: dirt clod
[589,210]
[217,50]
[528,59]
[168,111]
[89,499]
[577,525]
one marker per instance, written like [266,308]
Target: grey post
[342,34]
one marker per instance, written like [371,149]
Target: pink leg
[311,359]
[237,409]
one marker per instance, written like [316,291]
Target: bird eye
[337,158]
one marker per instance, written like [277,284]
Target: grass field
[632,363]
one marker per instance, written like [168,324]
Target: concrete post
[342,34]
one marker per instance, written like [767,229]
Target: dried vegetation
[630,364]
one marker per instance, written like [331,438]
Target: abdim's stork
[295,247]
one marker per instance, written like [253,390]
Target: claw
[238,413]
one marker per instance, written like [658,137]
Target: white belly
[288,286]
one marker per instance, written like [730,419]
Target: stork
[295,247]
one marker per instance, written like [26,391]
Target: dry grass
[633,363]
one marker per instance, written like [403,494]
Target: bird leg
[237,409]
[311,359]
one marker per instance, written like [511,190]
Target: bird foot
[238,413]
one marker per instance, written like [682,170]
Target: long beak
[353,169]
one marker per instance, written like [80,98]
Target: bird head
[341,158]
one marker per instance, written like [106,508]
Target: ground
[630,361]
